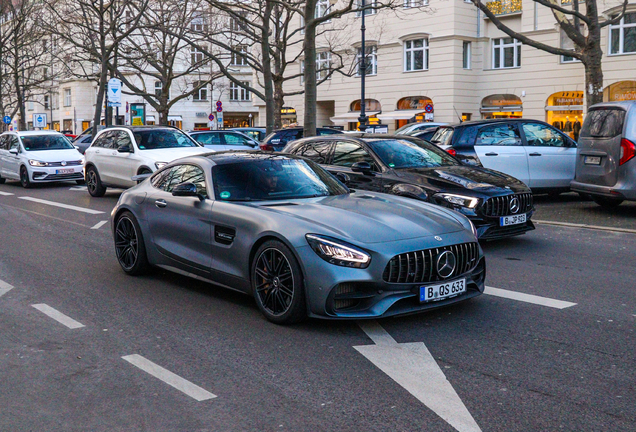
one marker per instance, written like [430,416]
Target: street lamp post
[363,66]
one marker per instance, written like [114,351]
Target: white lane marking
[66,206]
[183,385]
[58,316]
[5,288]
[413,367]
[78,188]
[5,193]
[98,225]
[593,227]
[528,298]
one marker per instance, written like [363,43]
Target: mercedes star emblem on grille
[446,264]
[514,205]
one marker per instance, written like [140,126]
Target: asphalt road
[514,365]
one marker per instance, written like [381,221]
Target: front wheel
[277,284]
[605,202]
[24,178]
[94,183]
[129,245]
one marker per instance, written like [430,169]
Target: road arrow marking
[413,367]
[4,288]
[528,298]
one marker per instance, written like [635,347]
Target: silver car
[284,230]
[605,162]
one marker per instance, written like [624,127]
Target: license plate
[442,291]
[592,160]
[65,171]
[512,220]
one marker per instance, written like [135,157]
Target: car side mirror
[13,151]
[187,190]
[124,149]
[76,147]
[345,179]
[362,167]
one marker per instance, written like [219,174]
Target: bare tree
[583,28]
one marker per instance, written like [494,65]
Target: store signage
[287,111]
[201,114]
[623,91]
[138,114]
[498,100]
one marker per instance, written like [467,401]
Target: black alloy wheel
[129,245]
[24,178]
[277,284]
[94,183]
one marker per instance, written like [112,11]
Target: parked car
[83,142]
[288,233]
[279,139]
[426,134]
[532,151]
[409,128]
[497,204]
[88,132]
[38,157]
[218,140]
[255,133]
[121,152]
[605,160]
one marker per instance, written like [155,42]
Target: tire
[24,178]
[608,203]
[94,183]
[130,248]
[277,284]
[2,180]
[80,182]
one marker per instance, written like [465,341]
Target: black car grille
[500,206]
[497,232]
[419,266]
[68,163]
[72,176]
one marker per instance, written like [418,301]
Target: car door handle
[492,154]
[161,203]
[534,154]
[97,151]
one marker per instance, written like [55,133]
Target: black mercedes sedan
[498,205]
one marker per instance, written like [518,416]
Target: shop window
[506,53]
[416,55]
[622,37]
[620,91]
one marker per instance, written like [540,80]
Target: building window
[198,22]
[568,44]
[623,35]
[371,60]
[322,8]
[158,88]
[238,93]
[196,55]
[67,97]
[239,57]
[416,55]
[369,5]
[415,3]
[237,23]
[202,93]
[466,53]
[323,64]
[506,53]
[55,100]
[30,105]
[46,102]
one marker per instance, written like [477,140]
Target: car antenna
[458,116]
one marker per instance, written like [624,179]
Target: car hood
[170,154]
[54,155]
[478,179]
[370,217]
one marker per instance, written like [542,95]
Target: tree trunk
[311,93]
[163,112]
[279,101]
[268,87]
[100,100]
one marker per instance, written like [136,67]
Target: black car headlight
[338,252]
[458,200]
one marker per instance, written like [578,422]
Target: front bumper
[48,174]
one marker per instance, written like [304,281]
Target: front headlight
[460,200]
[83,161]
[337,252]
[159,165]
[37,163]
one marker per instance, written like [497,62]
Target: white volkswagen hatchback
[39,156]
[119,153]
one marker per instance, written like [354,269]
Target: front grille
[68,163]
[72,176]
[497,232]
[419,266]
[500,206]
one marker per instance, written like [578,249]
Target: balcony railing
[504,7]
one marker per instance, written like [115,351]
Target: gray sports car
[281,228]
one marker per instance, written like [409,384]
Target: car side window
[467,138]
[317,152]
[104,140]
[178,174]
[499,135]
[208,138]
[122,139]
[4,143]
[233,139]
[328,132]
[542,135]
[347,153]
[14,143]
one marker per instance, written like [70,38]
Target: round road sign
[6,119]
[211,117]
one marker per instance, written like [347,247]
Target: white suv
[119,153]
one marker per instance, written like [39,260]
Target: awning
[175,118]
[564,108]
[350,117]
[501,108]
[150,118]
[400,114]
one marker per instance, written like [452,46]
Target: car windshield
[46,142]
[397,153]
[273,179]
[162,138]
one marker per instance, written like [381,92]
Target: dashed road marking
[58,316]
[78,188]
[66,206]
[181,384]
[528,298]
[592,227]
[98,225]
[6,193]
[5,288]
[413,367]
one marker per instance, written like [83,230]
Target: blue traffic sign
[6,119]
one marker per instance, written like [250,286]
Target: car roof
[36,133]
[491,121]
[227,157]
[248,128]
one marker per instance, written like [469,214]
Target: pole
[363,66]
[106,107]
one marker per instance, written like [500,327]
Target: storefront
[150,120]
[288,116]
[501,106]
[620,91]
[371,106]
[564,111]
[175,121]
[410,110]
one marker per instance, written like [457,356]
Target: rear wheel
[129,245]
[94,183]
[607,202]
[277,284]
[24,178]
[2,180]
